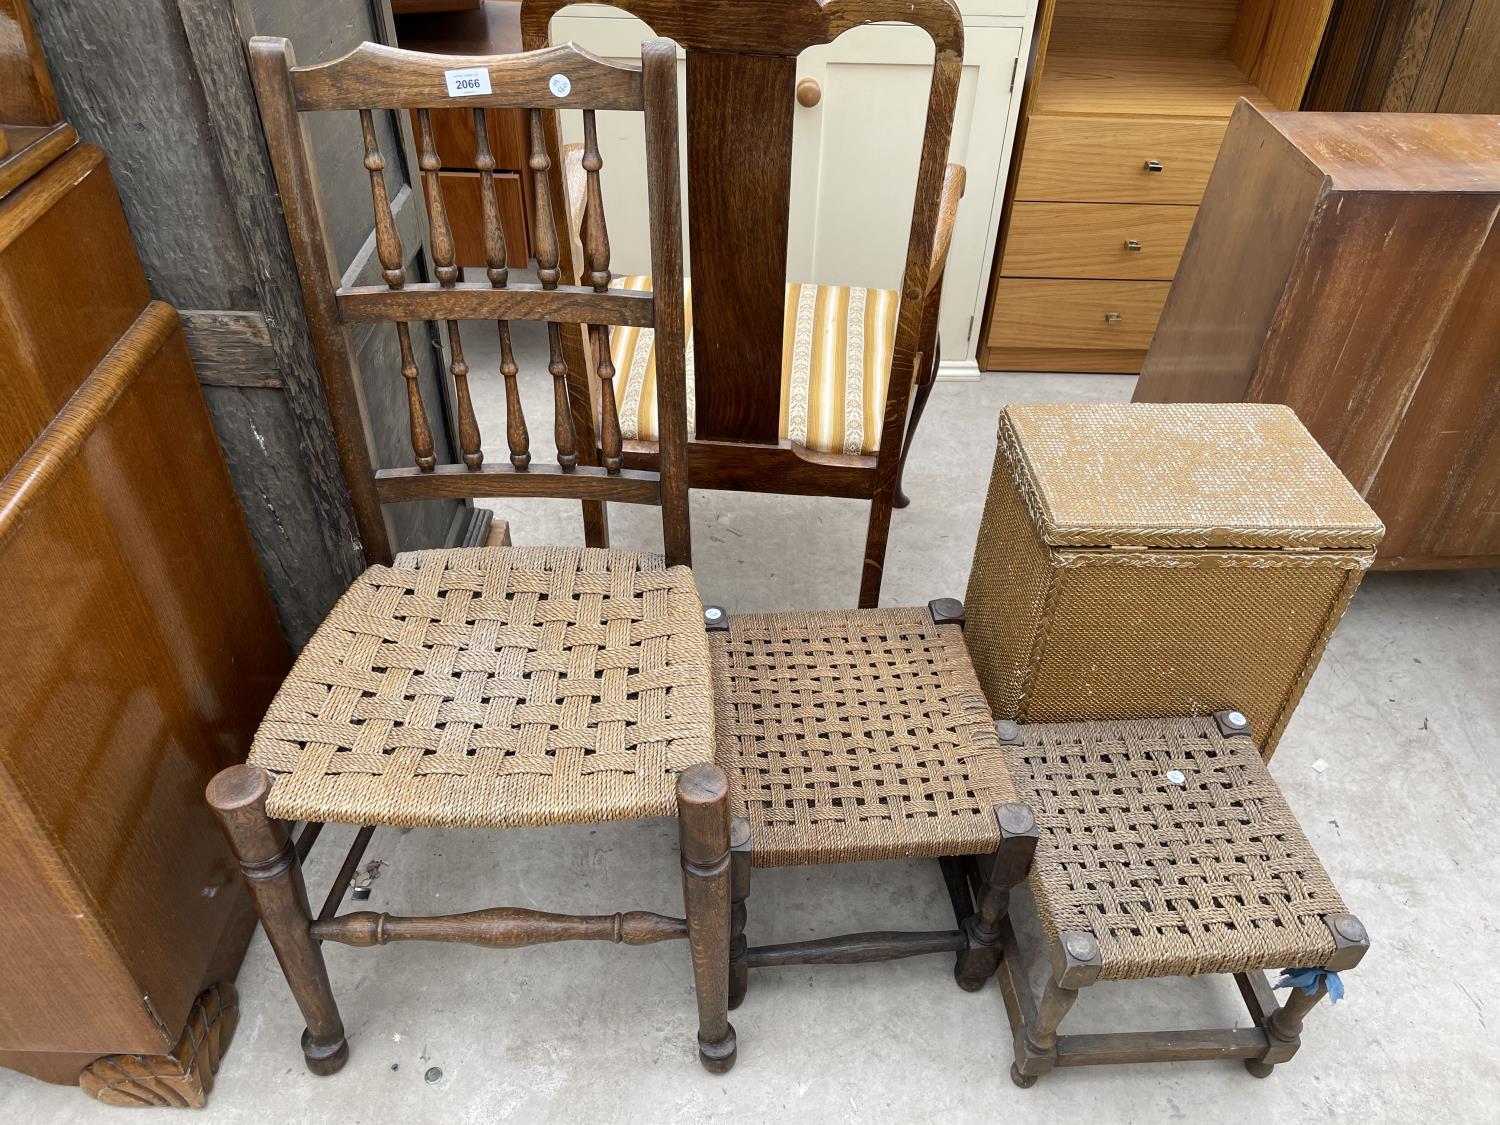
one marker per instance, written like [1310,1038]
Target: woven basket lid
[1181,475]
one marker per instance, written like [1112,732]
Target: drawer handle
[809,93]
[1132,244]
[1112,318]
[1153,165]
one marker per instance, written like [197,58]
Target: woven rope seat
[1212,875]
[855,735]
[495,687]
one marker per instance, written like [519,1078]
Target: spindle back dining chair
[487,687]
[755,366]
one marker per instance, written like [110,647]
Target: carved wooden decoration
[544,238]
[441,236]
[387,241]
[421,432]
[515,419]
[501,927]
[494,232]
[468,425]
[182,1079]
[611,444]
[567,442]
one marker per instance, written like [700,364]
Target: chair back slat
[495,250]
[387,239]
[374,77]
[544,238]
[421,432]
[557,366]
[515,419]
[739,206]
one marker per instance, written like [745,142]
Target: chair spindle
[543,235]
[468,425]
[495,254]
[443,254]
[387,241]
[567,441]
[595,235]
[515,419]
[610,441]
[421,432]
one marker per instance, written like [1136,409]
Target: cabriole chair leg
[703,823]
[269,865]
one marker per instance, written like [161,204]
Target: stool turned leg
[739,892]
[1075,963]
[703,824]
[269,865]
[1284,1026]
[1001,870]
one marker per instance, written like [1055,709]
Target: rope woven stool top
[495,687]
[1213,875]
[856,735]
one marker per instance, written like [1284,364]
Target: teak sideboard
[1122,116]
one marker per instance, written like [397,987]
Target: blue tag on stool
[1308,981]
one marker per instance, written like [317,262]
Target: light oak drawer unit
[1131,241]
[1070,325]
[1118,159]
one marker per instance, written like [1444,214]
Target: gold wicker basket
[1144,560]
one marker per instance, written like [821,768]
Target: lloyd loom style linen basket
[1144,560]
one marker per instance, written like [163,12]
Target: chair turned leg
[1284,1030]
[1001,870]
[919,403]
[1076,963]
[269,865]
[1284,1026]
[703,824]
[739,892]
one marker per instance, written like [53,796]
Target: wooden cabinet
[1363,296]
[854,154]
[141,649]
[1125,105]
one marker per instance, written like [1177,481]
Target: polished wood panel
[40,289]
[1101,159]
[1128,241]
[1108,83]
[151,651]
[1365,302]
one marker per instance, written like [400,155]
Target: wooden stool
[1166,849]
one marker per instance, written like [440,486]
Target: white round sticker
[559,85]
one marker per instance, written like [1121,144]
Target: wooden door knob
[809,93]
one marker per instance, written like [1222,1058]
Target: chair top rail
[766,27]
[376,76]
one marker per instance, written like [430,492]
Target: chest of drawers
[1123,113]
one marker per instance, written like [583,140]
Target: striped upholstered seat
[835,365]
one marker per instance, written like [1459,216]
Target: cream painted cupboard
[854,154]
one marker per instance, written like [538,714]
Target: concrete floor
[1404,711]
